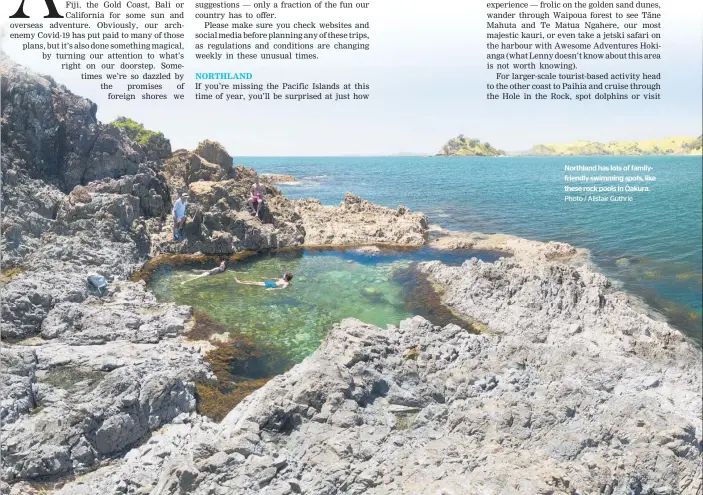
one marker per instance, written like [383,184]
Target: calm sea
[651,247]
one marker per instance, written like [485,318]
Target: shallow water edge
[249,335]
[244,361]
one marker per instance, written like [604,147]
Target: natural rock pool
[268,331]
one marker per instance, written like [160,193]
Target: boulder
[55,135]
[214,152]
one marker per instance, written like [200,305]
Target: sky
[426,68]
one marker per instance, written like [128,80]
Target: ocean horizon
[649,247]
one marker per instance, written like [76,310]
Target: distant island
[463,146]
[666,146]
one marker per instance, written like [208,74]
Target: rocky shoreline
[279,178]
[573,390]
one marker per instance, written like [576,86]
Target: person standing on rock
[179,216]
[257,197]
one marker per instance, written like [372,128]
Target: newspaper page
[332,247]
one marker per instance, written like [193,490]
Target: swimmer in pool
[281,283]
[218,269]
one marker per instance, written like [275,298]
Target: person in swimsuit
[218,269]
[257,197]
[281,283]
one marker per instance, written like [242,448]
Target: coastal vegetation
[136,131]
[463,146]
[8,274]
[666,146]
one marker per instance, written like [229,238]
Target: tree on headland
[154,144]
[695,146]
[136,131]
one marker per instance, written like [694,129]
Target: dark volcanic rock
[54,135]
[29,208]
[219,221]
[52,142]
[112,155]
[208,162]
[44,125]
[148,186]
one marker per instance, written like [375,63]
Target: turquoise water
[327,287]
[651,246]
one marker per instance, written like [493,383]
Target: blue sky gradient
[427,73]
